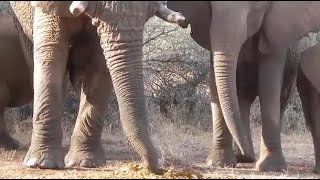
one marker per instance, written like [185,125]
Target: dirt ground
[184,152]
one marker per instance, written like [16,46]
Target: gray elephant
[310,99]
[48,29]
[15,82]
[212,25]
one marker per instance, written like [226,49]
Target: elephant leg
[86,148]
[271,70]
[245,104]
[51,47]
[310,100]
[221,154]
[6,140]
[247,91]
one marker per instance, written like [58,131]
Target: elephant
[212,28]
[50,34]
[15,77]
[310,99]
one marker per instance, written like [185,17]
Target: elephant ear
[198,15]
[200,21]
[57,8]
[277,35]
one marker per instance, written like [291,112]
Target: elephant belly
[201,39]
[16,76]
[19,82]
[19,98]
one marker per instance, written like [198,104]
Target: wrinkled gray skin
[310,98]
[15,77]
[249,54]
[56,35]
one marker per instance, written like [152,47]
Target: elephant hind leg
[6,140]
[247,84]
[86,149]
[95,86]
[245,104]
[310,99]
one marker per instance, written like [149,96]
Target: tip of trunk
[78,7]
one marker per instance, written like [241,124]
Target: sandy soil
[184,152]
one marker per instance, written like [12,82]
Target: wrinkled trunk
[228,32]
[123,52]
[225,64]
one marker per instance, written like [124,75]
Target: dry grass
[184,152]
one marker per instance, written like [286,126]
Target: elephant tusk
[78,7]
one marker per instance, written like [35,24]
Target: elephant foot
[244,159]
[8,142]
[221,158]
[274,162]
[85,155]
[44,158]
[316,169]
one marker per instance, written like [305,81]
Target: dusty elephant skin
[122,23]
[271,157]
[59,38]
[222,153]
[84,61]
[310,97]
[15,79]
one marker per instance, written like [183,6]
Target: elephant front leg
[310,100]
[221,154]
[86,148]
[46,143]
[50,59]
[271,69]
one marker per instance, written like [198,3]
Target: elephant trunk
[225,64]
[123,52]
